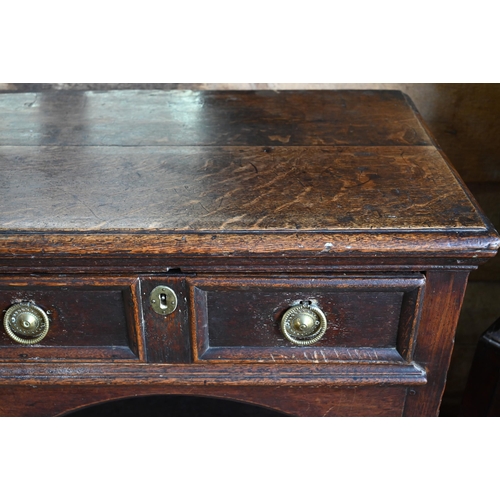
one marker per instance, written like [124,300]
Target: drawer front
[369,319]
[88,318]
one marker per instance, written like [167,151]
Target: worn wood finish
[89,318]
[178,118]
[236,200]
[299,401]
[326,375]
[231,189]
[167,337]
[245,263]
[408,246]
[488,194]
[444,292]
[239,319]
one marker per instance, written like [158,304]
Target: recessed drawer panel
[363,318]
[82,318]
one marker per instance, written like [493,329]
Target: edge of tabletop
[473,244]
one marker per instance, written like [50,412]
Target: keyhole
[163,301]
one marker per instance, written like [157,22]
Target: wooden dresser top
[217,164]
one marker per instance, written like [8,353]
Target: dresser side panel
[444,294]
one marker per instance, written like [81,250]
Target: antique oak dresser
[306,252]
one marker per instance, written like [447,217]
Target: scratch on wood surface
[328,411]
[81,202]
[30,104]
[204,208]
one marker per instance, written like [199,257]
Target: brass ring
[309,312]
[42,327]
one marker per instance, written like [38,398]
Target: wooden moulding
[162,376]
[316,245]
[371,319]
[223,266]
[90,318]
[164,341]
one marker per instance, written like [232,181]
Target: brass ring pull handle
[304,324]
[27,320]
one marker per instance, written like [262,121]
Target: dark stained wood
[299,401]
[444,292]
[463,117]
[183,117]
[242,375]
[135,318]
[408,246]
[227,189]
[167,337]
[286,354]
[88,318]
[411,310]
[199,321]
[221,189]
[237,317]
[488,194]
[340,196]
[245,263]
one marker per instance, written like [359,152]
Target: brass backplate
[163,300]
[28,320]
[304,324]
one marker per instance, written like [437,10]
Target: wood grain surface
[102,374]
[89,318]
[253,186]
[125,172]
[292,400]
[239,319]
[167,337]
[184,117]
[443,298]
[230,189]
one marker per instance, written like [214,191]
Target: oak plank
[231,189]
[185,117]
